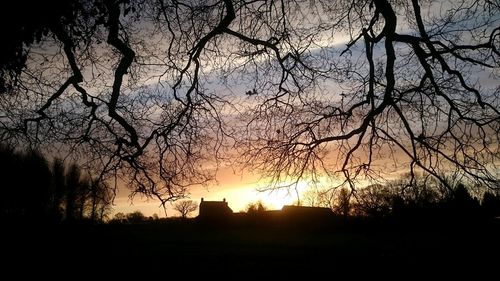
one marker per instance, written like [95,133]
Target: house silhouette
[220,211]
[214,210]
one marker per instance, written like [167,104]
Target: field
[191,248]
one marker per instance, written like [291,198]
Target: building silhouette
[289,215]
[214,210]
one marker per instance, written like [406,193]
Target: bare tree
[185,207]
[343,203]
[315,197]
[339,200]
[337,88]
[72,192]
[58,188]
[416,88]
[375,200]
[311,197]
[123,107]
[100,199]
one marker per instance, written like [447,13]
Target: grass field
[249,252]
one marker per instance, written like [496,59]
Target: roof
[214,203]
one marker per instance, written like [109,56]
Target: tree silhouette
[24,23]
[135,217]
[119,218]
[185,207]
[100,199]
[72,186]
[416,86]
[317,198]
[408,86]
[491,204]
[256,207]
[343,206]
[462,204]
[33,191]
[86,197]
[34,185]
[58,188]
[9,171]
[375,200]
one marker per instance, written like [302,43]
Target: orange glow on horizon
[239,190]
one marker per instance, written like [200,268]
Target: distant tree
[119,217]
[491,204]
[83,189]
[185,207]
[316,198]
[135,217]
[417,197]
[86,197]
[309,198]
[342,205]
[399,207]
[72,186]
[338,199]
[420,190]
[11,199]
[34,182]
[100,198]
[58,188]
[461,202]
[33,190]
[104,211]
[462,196]
[256,207]
[94,200]
[374,200]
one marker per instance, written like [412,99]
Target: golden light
[239,192]
[276,199]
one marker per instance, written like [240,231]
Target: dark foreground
[236,252]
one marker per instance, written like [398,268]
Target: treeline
[35,190]
[405,198]
[132,218]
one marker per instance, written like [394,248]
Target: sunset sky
[238,188]
[300,103]
[231,138]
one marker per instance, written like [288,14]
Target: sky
[238,188]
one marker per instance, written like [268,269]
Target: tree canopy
[155,91]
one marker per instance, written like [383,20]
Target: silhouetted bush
[135,217]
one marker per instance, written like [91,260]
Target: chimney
[201,199]
[224,200]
